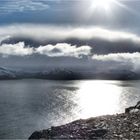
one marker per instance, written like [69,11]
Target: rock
[44,134]
[129,109]
[119,126]
[138,105]
[134,110]
[36,135]
[100,132]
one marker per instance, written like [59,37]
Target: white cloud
[123,60]
[100,62]
[64,49]
[94,63]
[120,57]
[46,32]
[15,49]
[61,49]
[10,6]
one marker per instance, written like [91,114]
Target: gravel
[118,126]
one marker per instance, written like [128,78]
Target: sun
[105,8]
[105,5]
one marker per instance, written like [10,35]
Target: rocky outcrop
[134,109]
[76,130]
[119,126]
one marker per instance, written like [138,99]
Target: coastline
[119,126]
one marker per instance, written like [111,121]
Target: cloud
[64,49]
[101,40]
[57,50]
[16,49]
[119,57]
[4,38]
[67,54]
[117,61]
[46,32]
[10,6]
[113,64]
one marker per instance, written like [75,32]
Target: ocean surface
[30,105]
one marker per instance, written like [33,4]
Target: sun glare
[98,98]
[102,4]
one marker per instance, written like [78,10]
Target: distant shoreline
[66,74]
[68,79]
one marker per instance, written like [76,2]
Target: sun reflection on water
[97,98]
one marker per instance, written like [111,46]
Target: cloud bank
[46,32]
[102,49]
[66,50]
[57,50]
[101,40]
[128,61]
[119,57]
[67,54]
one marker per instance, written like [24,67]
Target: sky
[123,13]
[53,32]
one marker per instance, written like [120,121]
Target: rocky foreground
[119,126]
